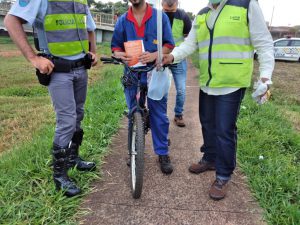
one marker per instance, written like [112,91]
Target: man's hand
[122,55]
[45,66]
[95,59]
[148,57]
[168,59]
[261,92]
[267,81]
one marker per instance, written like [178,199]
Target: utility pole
[272,16]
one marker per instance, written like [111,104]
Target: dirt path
[11,53]
[181,198]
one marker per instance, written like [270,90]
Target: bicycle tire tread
[140,147]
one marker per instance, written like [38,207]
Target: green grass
[22,98]
[5,40]
[275,179]
[16,72]
[6,44]
[27,194]
[25,104]
[266,131]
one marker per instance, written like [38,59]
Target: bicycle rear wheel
[137,147]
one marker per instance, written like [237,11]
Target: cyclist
[140,23]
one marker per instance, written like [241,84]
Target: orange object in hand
[133,49]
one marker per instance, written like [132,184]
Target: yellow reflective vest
[66,28]
[177,31]
[225,51]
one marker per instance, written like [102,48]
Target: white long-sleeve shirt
[260,38]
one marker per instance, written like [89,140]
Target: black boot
[60,172]
[165,164]
[74,159]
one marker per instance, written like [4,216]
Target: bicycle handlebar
[117,61]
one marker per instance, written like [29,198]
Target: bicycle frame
[138,124]
[140,107]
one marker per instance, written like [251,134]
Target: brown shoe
[201,167]
[179,121]
[218,189]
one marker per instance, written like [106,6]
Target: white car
[286,49]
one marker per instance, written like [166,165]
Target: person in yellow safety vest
[226,33]
[67,45]
[181,25]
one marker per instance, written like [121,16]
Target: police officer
[181,25]
[65,30]
[140,23]
[226,33]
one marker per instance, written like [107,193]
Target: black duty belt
[64,65]
[75,63]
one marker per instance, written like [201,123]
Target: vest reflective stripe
[66,31]
[66,8]
[177,31]
[226,40]
[224,48]
[84,2]
[227,55]
[59,49]
[71,36]
[225,52]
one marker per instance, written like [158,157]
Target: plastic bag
[261,94]
[159,84]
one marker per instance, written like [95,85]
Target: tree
[91,2]
[117,8]
[120,8]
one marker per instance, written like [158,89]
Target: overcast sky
[286,13]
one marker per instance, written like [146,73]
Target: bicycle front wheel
[137,147]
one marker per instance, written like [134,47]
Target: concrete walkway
[181,198]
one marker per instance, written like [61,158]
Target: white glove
[261,95]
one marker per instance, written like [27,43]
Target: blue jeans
[218,117]
[179,74]
[159,121]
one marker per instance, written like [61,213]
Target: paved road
[181,198]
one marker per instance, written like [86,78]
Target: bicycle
[139,123]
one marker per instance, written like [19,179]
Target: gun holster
[44,79]
[88,61]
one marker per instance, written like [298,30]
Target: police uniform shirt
[34,11]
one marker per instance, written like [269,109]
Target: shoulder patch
[24,3]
